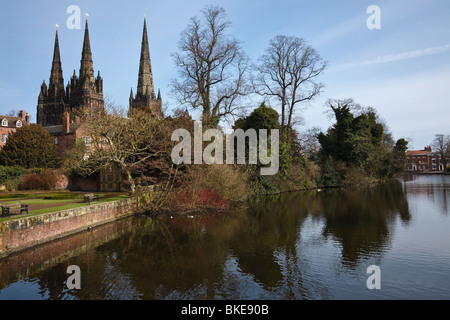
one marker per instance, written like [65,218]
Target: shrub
[10,177]
[30,147]
[212,185]
[33,181]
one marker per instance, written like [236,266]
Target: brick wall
[6,131]
[25,232]
[52,253]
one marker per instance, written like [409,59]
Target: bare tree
[212,67]
[13,113]
[115,139]
[309,143]
[441,145]
[287,72]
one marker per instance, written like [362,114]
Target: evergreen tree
[30,147]
[357,141]
[262,117]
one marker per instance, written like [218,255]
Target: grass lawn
[44,202]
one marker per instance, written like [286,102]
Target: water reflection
[306,245]
[362,220]
[435,188]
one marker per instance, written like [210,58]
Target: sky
[401,69]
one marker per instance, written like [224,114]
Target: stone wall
[21,233]
[52,253]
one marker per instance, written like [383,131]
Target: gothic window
[18,124]
[4,123]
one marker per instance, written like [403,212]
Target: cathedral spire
[145,79]
[56,74]
[86,67]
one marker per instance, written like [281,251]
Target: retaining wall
[24,232]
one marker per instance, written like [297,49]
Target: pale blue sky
[402,70]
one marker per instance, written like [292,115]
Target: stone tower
[85,91]
[145,98]
[80,92]
[51,101]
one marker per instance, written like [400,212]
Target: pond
[311,245]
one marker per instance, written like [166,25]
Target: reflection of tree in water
[187,258]
[175,259]
[361,220]
[190,258]
[217,255]
[267,247]
[272,227]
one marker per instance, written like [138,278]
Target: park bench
[6,208]
[90,197]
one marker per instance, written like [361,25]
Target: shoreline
[28,231]
[25,232]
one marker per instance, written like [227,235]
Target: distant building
[58,107]
[423,160]
[81,91]
[9,124]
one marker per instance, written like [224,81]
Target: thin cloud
[402,56]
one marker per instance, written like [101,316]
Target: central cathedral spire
[145,99]
[145,79]
[86,67]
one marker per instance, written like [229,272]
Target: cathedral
[86,90]
[59,105]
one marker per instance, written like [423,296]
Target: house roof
[58,129]
[12,121]
[416,152]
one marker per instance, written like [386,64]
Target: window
[18,124]
[56,140]
[87,141]
[4,136]
[4,123]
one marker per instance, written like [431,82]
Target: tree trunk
[130,181]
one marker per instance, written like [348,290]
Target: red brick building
[65,135]
[10,124]
[423,160]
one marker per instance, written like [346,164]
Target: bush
[30,147]
[45,181]
[213,186]
[11,177]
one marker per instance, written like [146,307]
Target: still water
[303,245]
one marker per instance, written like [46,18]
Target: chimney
[22,115]
[65,122]
[27,118]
